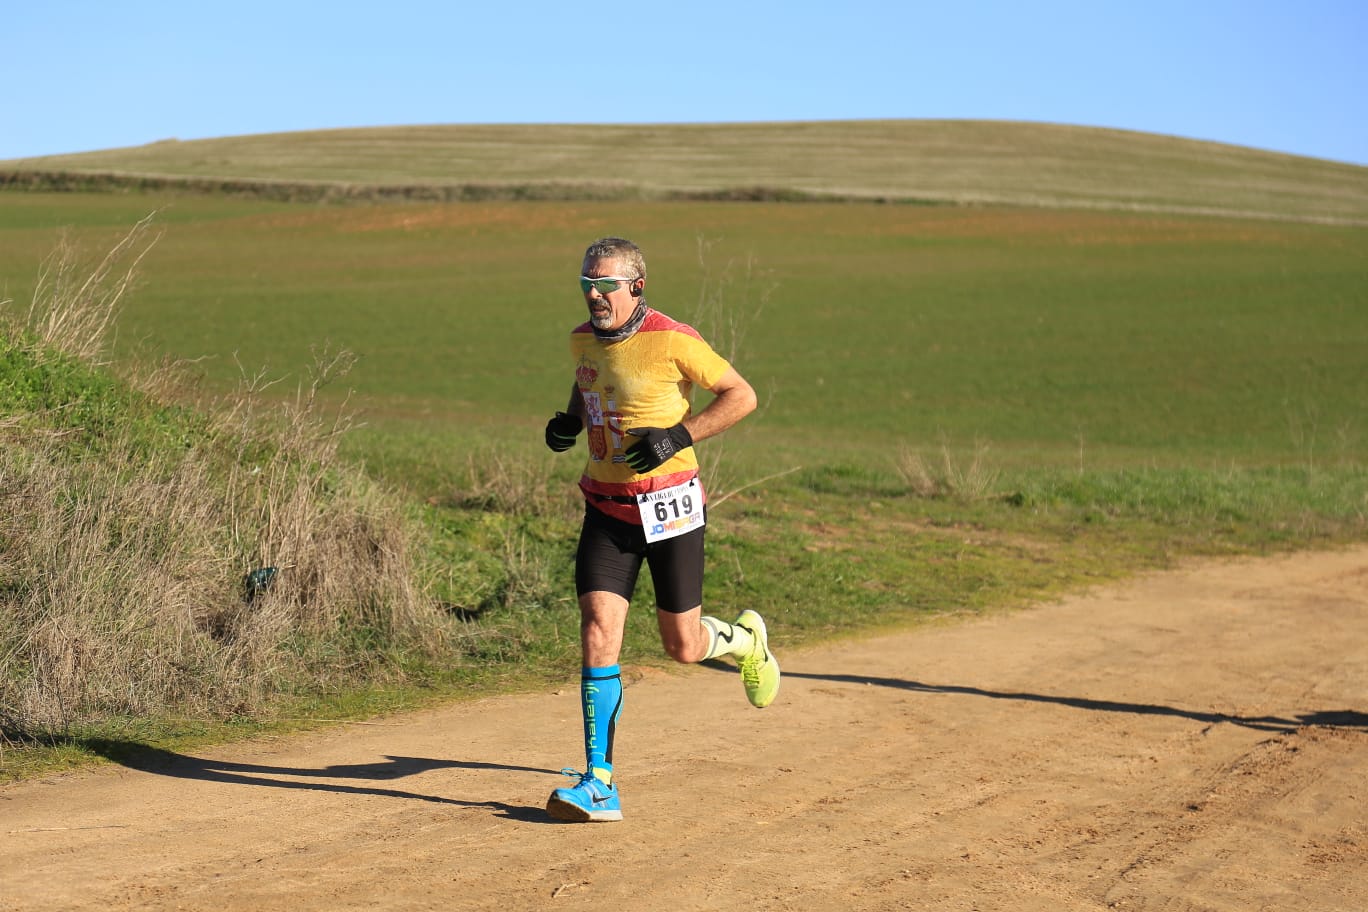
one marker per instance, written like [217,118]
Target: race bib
[671,511]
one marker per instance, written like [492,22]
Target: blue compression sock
[601,694]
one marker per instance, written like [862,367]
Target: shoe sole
[573,813]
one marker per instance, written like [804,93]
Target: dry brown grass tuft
[75,303]
[973,480]
[124,564]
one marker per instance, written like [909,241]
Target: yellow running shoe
[759,668]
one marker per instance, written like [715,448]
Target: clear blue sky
[1287,76]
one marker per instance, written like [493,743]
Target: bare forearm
[734,401]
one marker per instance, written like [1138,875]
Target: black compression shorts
[610,555]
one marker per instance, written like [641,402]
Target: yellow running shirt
[646,380]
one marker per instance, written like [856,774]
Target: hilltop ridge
[958,162]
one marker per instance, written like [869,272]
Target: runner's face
[608,312]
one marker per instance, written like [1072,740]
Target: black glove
[562,430]
[656,446]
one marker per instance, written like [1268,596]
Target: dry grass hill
[919,161]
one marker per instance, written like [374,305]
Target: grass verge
[133,521]
[826,553]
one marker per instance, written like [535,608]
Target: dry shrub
[108,572]
[122,565]
[952,478]
[340,545]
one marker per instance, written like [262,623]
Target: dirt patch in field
[1196,739]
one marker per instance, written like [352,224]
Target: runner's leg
[602,618]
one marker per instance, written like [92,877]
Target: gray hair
[620,249]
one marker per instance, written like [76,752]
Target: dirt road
[1192,740]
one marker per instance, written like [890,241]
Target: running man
[635,369]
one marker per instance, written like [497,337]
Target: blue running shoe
[590,800]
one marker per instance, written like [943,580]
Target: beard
[602,317]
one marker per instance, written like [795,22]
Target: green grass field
[1052,337]
[963,408]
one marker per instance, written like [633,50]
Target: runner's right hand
[562,430]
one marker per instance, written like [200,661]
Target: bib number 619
[671,511]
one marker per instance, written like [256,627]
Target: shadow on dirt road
[134,755]
[1332,718]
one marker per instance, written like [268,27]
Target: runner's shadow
[135,755]
[1342,718]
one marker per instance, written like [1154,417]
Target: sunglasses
[605,285]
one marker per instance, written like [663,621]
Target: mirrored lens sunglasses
[605,284]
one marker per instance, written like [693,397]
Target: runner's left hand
[656,446]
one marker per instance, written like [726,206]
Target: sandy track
[1194,740]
